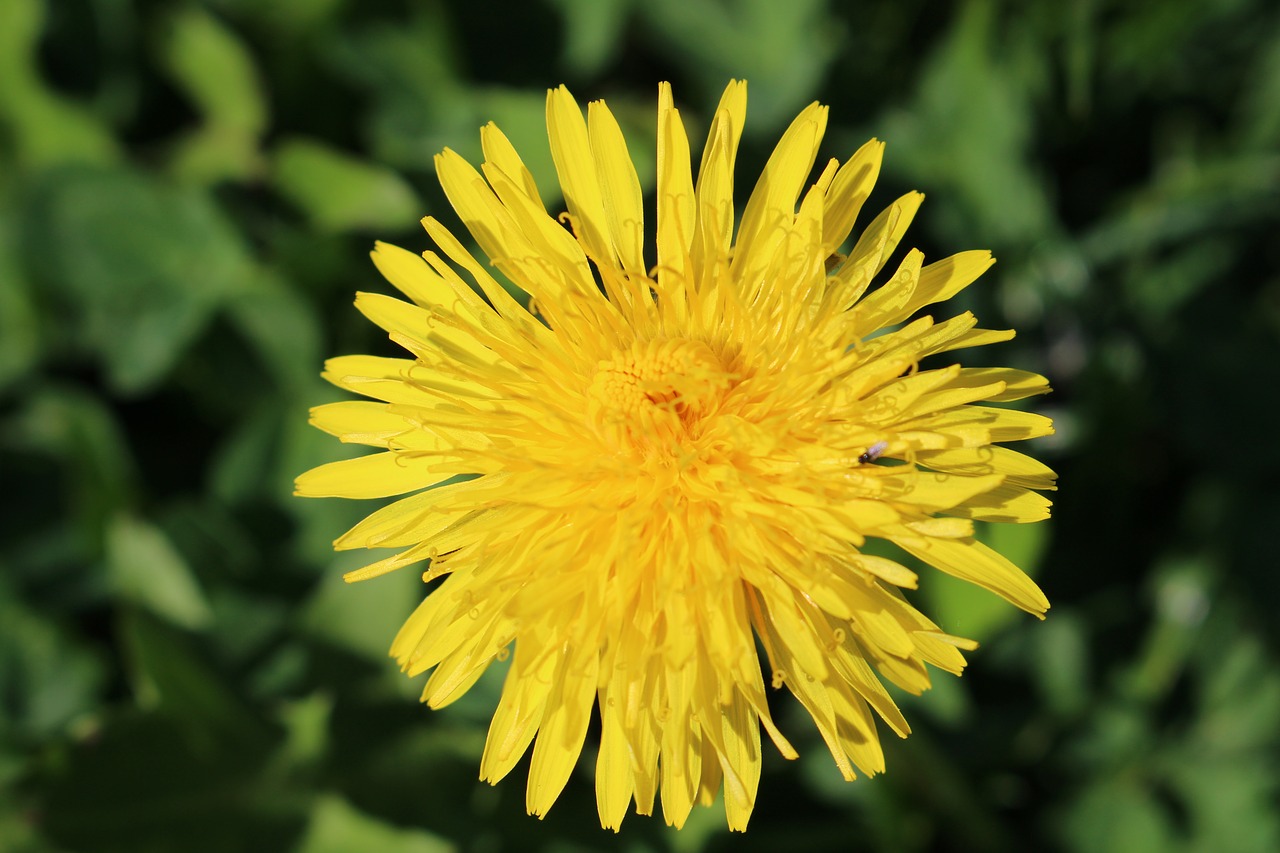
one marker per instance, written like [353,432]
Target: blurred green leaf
[147,570]
[967,134]
[243,465]
[138,265]
[20,333]
[592,31]
[1182,600]
[48,680]
[1120,816]
[47,128]
[1062,663]
[336,827]
[1231,802]
[1260,104]
[171,677]
[781,49]
[288,15]
[362,617]
[86,438]
[18,831]
[306,724]
[142,784]
[339,192]
[283,329]
[216,70]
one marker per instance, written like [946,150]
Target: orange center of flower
[656,391]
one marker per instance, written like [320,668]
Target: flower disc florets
[656,395]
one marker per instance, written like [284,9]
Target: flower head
[670,464]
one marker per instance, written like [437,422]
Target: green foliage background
[188,191]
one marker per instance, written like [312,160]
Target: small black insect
[873,452]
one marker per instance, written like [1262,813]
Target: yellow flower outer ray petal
[409,520]
[714,190]
[811,688]
[677,209]
[485,217]
[741,762]
[563,727]
[571,149]
[849,191]
[884,569]
[851,664]
[512,313]
[420,325]
[797,269]
[1019,384]
[614,785]
[876,310]
[520,710]
[499,151]
[397,381]
[942,280]
[379,475]
[712,773]
[681,764]
[933,492]
[408,557]
[876,245]
[558,257]
[359,422]
[412,277]
[1018,468]
[856,732]
[770,208]
[885,405]
[970,560]
[623,208]
[953,398]
[1007,505]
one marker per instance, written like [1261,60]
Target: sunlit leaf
[340,192]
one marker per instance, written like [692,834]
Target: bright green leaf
[339,192]
[48,128]
[216,70]
[146,569]
[210,62]
[362,617]
[337,827]
[139,266]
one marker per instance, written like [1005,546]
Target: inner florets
[656,390]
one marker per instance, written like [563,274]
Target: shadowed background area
[188,192]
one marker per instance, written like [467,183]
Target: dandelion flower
[673,467]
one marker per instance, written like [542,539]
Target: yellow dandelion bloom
[673,465]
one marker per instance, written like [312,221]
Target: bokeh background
[188,192]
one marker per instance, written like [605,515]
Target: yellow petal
[380,475]
[564,725]
[571,150]
[623,211]
[499,151]
[771,207]
[676,206]
[1018,469]
[882,236]
[848,192]
[970,560]
[412,276]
